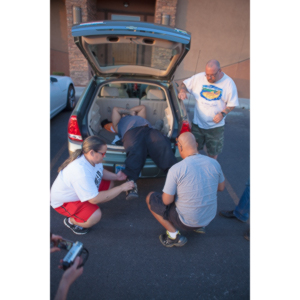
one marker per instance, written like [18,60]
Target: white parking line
[231,192]
[58,155]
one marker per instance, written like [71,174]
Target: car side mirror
[52,79]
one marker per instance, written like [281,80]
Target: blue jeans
[242,210]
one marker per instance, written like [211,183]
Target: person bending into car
[189,198]
[82,183]
[139,139]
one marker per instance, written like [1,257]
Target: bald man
[189,198]
[216,96]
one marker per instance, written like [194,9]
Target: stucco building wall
[220,30]
[59,56]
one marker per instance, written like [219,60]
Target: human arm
[139,110]
[221,186]
[219,117]
[68,278]
[120,176]
[108,195]
[231,101]
[167,199]
[182,92]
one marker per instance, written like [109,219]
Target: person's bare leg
[166,224]
[93,219]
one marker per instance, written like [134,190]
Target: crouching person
[82,183]
[189,198]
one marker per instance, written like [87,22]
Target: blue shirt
[129,122]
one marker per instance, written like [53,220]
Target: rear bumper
[113,158]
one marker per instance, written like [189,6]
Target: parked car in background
[134,64]
[62,94]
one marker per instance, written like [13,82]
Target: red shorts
[81,211]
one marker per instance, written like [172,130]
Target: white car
[62,94]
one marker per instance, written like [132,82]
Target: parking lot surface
[126,258]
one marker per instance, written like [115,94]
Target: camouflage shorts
[213,139]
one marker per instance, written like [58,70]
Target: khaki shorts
[213,138]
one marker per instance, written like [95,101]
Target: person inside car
[139,139]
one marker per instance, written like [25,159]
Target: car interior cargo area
[128,95]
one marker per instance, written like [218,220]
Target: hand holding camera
[74,250]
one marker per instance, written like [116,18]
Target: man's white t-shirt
[211,98]
[78,181]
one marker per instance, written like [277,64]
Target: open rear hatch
[136,49]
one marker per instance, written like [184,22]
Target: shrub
[58,73]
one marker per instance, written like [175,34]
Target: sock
[70,221]
[172,234]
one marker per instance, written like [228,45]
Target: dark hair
[90,143]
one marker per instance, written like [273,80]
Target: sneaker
[200,230]
[229,214]
[75,228]
[166,240]
[132,194]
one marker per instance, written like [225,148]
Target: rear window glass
[132,54]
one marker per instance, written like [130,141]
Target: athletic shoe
[229,214]
[167,241]
[75,228]
[200,230]
[132,194]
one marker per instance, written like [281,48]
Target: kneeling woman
[82,183]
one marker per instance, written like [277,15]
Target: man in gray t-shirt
[189,198]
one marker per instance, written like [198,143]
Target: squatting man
[189,198]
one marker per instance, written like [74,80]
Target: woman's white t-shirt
[78,181]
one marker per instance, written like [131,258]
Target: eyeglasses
[102,153]
[212,75]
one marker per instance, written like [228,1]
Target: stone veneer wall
[165,7]
[79,67]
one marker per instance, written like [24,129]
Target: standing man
[139,140]
[216,96]
[189,198]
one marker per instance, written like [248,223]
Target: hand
[121,176]
[218,118]
[129,185]
[133,112]
[71,274]
[182,95]
[55,238]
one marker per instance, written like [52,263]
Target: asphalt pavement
[126,258]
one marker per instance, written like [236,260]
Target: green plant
[58,73]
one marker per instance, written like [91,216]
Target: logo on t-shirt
[98,179]
[211,93]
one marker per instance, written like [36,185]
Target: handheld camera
[74,250]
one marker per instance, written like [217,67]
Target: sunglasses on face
[102,153]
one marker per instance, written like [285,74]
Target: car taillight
[73,129]
[185,127]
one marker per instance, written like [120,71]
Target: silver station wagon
[133,64]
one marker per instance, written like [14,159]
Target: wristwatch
[223,114]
